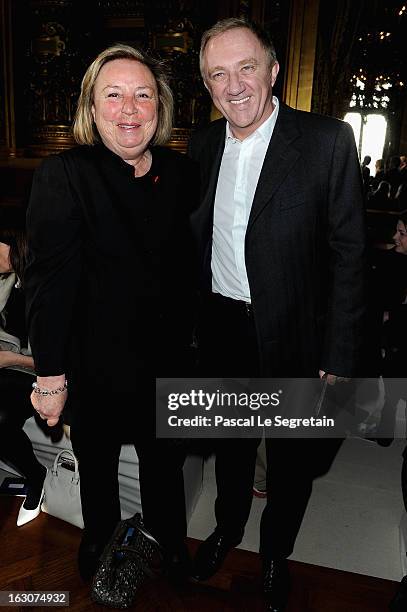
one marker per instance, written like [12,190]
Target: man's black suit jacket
[305,242]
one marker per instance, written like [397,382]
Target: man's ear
[274,73]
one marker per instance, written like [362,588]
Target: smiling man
[281,236]
[239,75]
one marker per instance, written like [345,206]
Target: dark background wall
[364,39]
[51,43]
[46,46]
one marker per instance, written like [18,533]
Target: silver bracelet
[40,391]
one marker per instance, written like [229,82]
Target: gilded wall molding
[53,76]
[8,147]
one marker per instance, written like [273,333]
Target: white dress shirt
[239,173]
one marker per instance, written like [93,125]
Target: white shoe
[25,516]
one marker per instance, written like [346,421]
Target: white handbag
[62,489]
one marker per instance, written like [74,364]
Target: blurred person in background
[16,364]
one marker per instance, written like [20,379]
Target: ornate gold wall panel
[55,41]
[7,120]
[55,59]
[179,139]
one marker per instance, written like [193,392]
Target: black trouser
[228,347]
[292,465]
[15,409]
[98,431]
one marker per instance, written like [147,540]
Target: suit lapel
[210,161]
[213,165]
[280,158]
[202,219]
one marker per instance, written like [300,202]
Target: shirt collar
[264,131]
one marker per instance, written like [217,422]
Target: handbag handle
[72,457]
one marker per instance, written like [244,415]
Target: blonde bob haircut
[84,128]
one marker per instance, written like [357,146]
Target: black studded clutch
[132,557]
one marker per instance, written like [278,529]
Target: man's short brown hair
[224,25]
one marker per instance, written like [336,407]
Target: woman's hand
[49,407]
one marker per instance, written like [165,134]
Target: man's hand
[9,359]
[49,407]
[6,359]
[332,379]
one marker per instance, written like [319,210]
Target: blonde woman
[111,270]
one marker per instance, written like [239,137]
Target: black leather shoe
[276,584]
[210,555]
[88,557]
[177,564]
[399,603]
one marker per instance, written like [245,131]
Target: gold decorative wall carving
[55,60]
[175,37]
[122,18]
[49,50]
[179,139]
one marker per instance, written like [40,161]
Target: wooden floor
[42,556]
